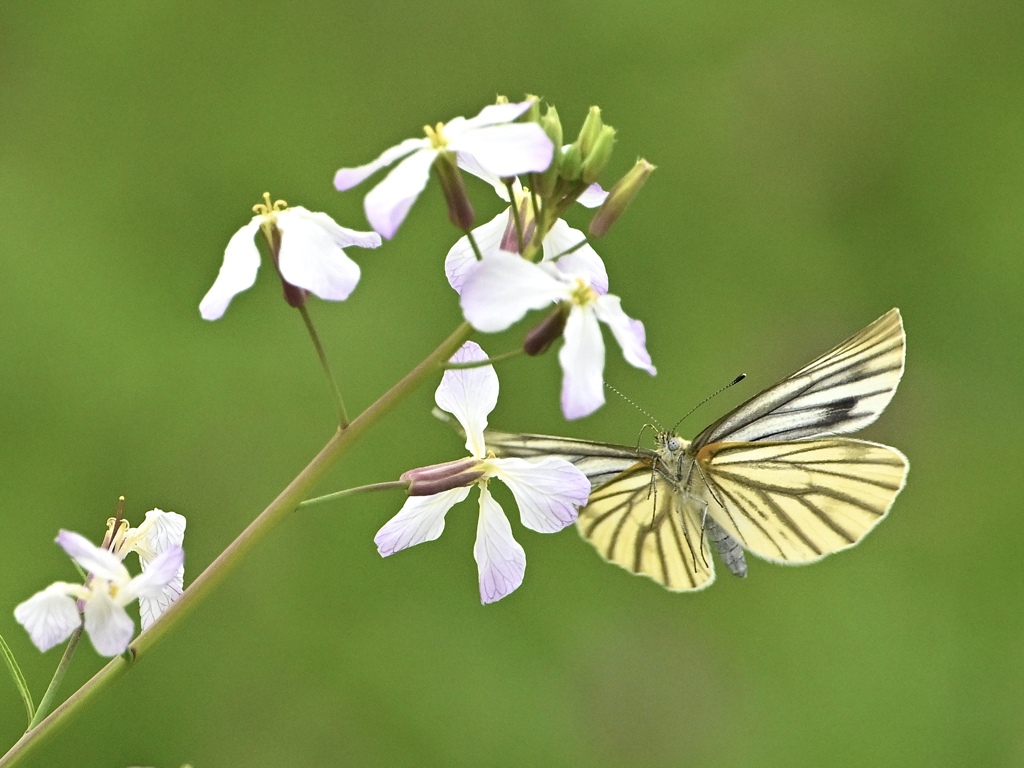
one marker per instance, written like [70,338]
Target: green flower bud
[599,155]
[544,183]
[590,131]
[620,196]
[572,163]
[532,115]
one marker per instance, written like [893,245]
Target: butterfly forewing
[639,522]
[796,502]
[842,391]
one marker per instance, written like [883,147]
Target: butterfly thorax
[675,461]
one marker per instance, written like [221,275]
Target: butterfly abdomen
[726,546]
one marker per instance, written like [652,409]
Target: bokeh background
[818,163]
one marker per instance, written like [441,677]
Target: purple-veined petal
[628,332]
[582,359]
[237,273]
[108,625]
[420,519]
[506,150]
[469,394]
[582,262]
[342,236]
[548,492]
[504,287]
[388,203]
[310,258]
[592,196]
[161,571]
[49,616]
[492,114]
[95,560]
[346,178]
[500,561]
[462,259]
[158,532]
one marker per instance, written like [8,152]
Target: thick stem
[286,502]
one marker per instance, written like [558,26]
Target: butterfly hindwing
[795,502]
[639,522]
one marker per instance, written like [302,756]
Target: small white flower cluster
[52,614]
[526,258]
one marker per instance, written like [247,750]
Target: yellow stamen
[436,136]
[583,294]
[268,208]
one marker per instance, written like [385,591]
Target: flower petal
[342,236]
[49,616]
[592,196]
[388,203]
[461,259]
[237,273]
[469,394]
[158,532]
[548,491]
[346,178]
[504,287]
[162,571]
[506,150]
[582,359]
[628,332]
[420,519]
[492,114]
[108,625]
[96,560]
[500,561]
[575,260]
[311,259]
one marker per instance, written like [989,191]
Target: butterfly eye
[673,444]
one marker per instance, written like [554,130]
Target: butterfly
[770,477]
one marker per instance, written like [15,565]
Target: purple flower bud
[460,211]
[540,338]
[426,481]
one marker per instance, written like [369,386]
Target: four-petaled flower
[307,247]
[548,492]
[504,286]
[51,615]
[489,141]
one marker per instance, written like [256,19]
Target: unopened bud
[590,131]
[619,197]
[599,156]
[426,481]
[572,162]
[540,338]
[544,183]
[532,115]
[460,211]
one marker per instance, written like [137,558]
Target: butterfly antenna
[654,421]
[732,383]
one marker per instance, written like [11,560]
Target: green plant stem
[342,414]
[286,502]
[388,486]
[58,676]
[19,679]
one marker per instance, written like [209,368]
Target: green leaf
[19,679]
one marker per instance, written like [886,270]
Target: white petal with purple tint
[547,491]
[388,203]
[628,332]
[504,287]
[420,519]
[237,273]
[50,615]
[501,562]
[582,359]
[469,394]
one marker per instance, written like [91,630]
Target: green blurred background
[819,163]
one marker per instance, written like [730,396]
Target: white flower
[51,615]
[504,287]
[548,492]
[158,533]
[489,141]
[310,255]
[566,247]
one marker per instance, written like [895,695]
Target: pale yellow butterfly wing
[639,521]
[795,502]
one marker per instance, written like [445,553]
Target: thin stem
[286,502]
[481,363]
[473,244]
[58,676]
[388,486]
[342,415]
[515,215]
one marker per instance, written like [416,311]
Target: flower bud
[590,131]
[544,183]
[572,162]
[599,156]
[460,211]
[532,115]
[426,481]
[540,338]
[619,197]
